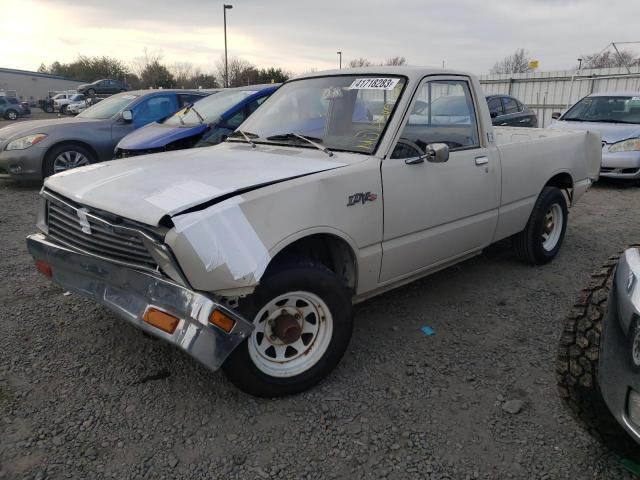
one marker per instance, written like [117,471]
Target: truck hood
[610,132]
[157,135]
[39,126]
[149,187]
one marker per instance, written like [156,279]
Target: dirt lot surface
[84,395]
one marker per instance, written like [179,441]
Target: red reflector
[44,268]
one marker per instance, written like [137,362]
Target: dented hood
[148,187]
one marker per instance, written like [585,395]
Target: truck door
[436,212]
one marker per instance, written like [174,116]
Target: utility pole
[340,54]
[226,7]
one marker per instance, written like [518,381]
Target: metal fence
[548,92]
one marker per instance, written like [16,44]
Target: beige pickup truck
[342,185]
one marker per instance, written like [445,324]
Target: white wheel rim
[69,159]
[635,348]
[273,356]
[552,227]
[12,116]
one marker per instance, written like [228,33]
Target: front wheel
[542,237]
[66,157]
[302,319]
[11,115]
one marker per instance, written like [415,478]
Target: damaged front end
[136,276]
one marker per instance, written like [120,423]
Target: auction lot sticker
[374,84]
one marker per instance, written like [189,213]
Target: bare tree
[609,59]
[395,61]
[359,62]
[239,70]
[183,73]
[150,57]
[517,62]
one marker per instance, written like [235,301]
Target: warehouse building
[33,86]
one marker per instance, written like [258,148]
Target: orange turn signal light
[162,320]
[222,321]
[44,268]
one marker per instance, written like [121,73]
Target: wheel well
[564,182]
[71,142]
[330,250]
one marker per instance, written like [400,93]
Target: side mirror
[493,114]
[127,116]
[437,153]
[434,153]
[556,115]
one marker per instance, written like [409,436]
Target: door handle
[481,161]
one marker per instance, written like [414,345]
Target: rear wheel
[65,157]
[577,365]
[542,237]
[302,319]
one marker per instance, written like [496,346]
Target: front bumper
[617,375]
[22,164]
[620,165]
[129,293]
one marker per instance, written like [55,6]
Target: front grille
[105,240]
[606,169]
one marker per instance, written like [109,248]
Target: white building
[33,86]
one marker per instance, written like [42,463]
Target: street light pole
[340,53]
[226,64]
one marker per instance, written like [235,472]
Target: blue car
[205,123]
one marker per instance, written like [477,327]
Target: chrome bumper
[616,375]
[128,293]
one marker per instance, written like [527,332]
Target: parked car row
[124,125]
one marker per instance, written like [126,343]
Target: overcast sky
[300,35]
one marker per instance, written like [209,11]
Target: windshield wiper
[311,140]
[191,107]
[247,137]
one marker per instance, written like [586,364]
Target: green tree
[156,75]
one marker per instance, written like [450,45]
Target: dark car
[507,111]
[598,366]
[10,108]
[101,87]
[207,122]
[39,148]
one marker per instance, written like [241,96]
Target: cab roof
[412,72]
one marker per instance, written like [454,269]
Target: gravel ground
[84,395]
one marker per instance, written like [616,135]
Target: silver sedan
[616,116]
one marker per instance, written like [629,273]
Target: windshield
[109,107]
[59,96]
[211,108]
[77,96]
[612,109]
[346,112]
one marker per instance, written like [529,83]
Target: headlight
[631,145]
[25,142]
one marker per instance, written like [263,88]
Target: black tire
[91,92]
[305,276]
[48,108]
[122,90]
[528,244]
[577,365]
[49,159]
[11,115]
[63,110]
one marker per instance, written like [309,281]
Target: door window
[443,112]
[254,104]
[236,119]
[510,105]
[153,109]
[495,106]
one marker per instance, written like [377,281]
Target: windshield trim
[373,152]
